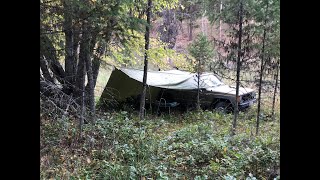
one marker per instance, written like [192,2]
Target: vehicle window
[213,81]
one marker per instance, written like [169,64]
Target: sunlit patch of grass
[102,80]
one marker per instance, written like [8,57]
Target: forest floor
[193,145]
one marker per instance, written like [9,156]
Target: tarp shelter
[126,83]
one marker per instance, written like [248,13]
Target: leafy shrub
[198,146]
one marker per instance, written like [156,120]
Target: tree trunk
[76,46]
[45,70]
[96,64]
[49,52]
[145,70]
[82,96]
[190,29]
[202,25]
[236,109]
[90,94]
[210,29]
[91,88]
[275,90]
[68,31]
[220,22]
[99,52]
[95,69]
[261,74]
[169,28]
[95,72]
[84,51]
[92,41]
[198,94]
[96,61]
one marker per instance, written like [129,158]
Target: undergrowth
[185,146]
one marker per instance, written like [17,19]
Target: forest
[82,42]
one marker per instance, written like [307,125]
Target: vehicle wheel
[223,107]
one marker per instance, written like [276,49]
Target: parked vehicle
[220,96]
[173,89]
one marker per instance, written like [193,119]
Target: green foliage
[119,146]
[257,16]
[198,149]
[120,22]
[201,49]
[190,9]
[131,54]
